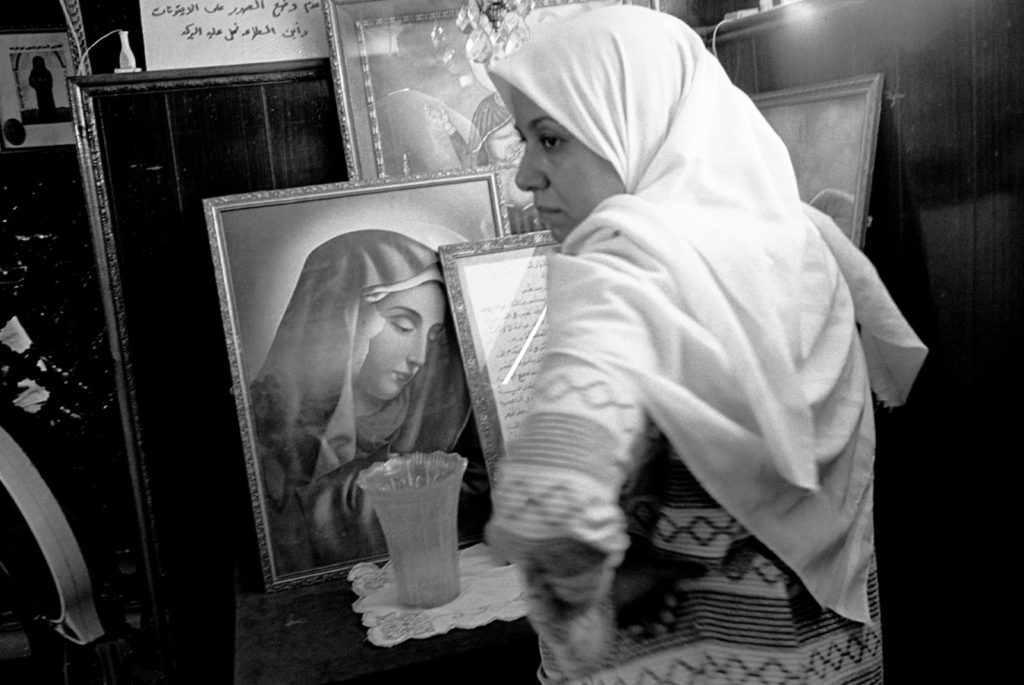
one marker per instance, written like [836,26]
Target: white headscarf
[735,326]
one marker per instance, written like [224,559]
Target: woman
[496,140]
[364,363]
[498,143]
[690,497]
[41,81]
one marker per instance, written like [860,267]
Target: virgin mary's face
[412,319]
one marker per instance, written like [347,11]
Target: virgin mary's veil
[302,399]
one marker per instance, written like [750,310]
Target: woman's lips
[548,215]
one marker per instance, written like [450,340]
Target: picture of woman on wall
[364,363]
[496,141]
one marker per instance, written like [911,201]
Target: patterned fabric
[742,618]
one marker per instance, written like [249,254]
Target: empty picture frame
[831,131]
[343,351]
[498,292]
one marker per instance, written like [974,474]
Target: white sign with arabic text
[205,34]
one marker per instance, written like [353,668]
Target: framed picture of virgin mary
[343,351]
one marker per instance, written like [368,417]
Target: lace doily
[489,592]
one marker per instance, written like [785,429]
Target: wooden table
[311,636]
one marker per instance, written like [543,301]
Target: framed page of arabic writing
[498,294]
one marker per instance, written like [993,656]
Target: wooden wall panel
[221,140]
[999,85]
[783,60]
[305,133]
[154,146]
[947,239]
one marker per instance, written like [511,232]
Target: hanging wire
[94,43]
[714,35]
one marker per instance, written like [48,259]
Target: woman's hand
[569,576]
[642,584]
[566,577]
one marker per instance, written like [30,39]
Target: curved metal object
[79,620]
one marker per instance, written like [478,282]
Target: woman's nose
[418,353]
[529,177]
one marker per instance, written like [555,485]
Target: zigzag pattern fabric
[742,619]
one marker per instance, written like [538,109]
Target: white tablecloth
[490,591]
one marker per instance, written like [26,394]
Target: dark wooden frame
[151,146]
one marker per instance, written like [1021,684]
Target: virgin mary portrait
[364,364]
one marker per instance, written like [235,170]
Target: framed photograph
[35,110]
[343,351]
[498,292]
[410,101]
[831,130]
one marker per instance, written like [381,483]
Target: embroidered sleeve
[556,504]
[566,465]
[565,469]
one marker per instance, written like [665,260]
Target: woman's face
[412,319]
[567,179]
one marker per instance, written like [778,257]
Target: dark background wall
[48,281]
[161,512]
[946,237]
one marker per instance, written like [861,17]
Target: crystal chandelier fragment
[496,28]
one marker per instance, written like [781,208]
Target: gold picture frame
[400,71]
[304,276]
[498,294]
[831,131]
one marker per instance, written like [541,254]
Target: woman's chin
[559,230]
[387,396]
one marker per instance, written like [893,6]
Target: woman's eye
[548,142]
[403,325]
